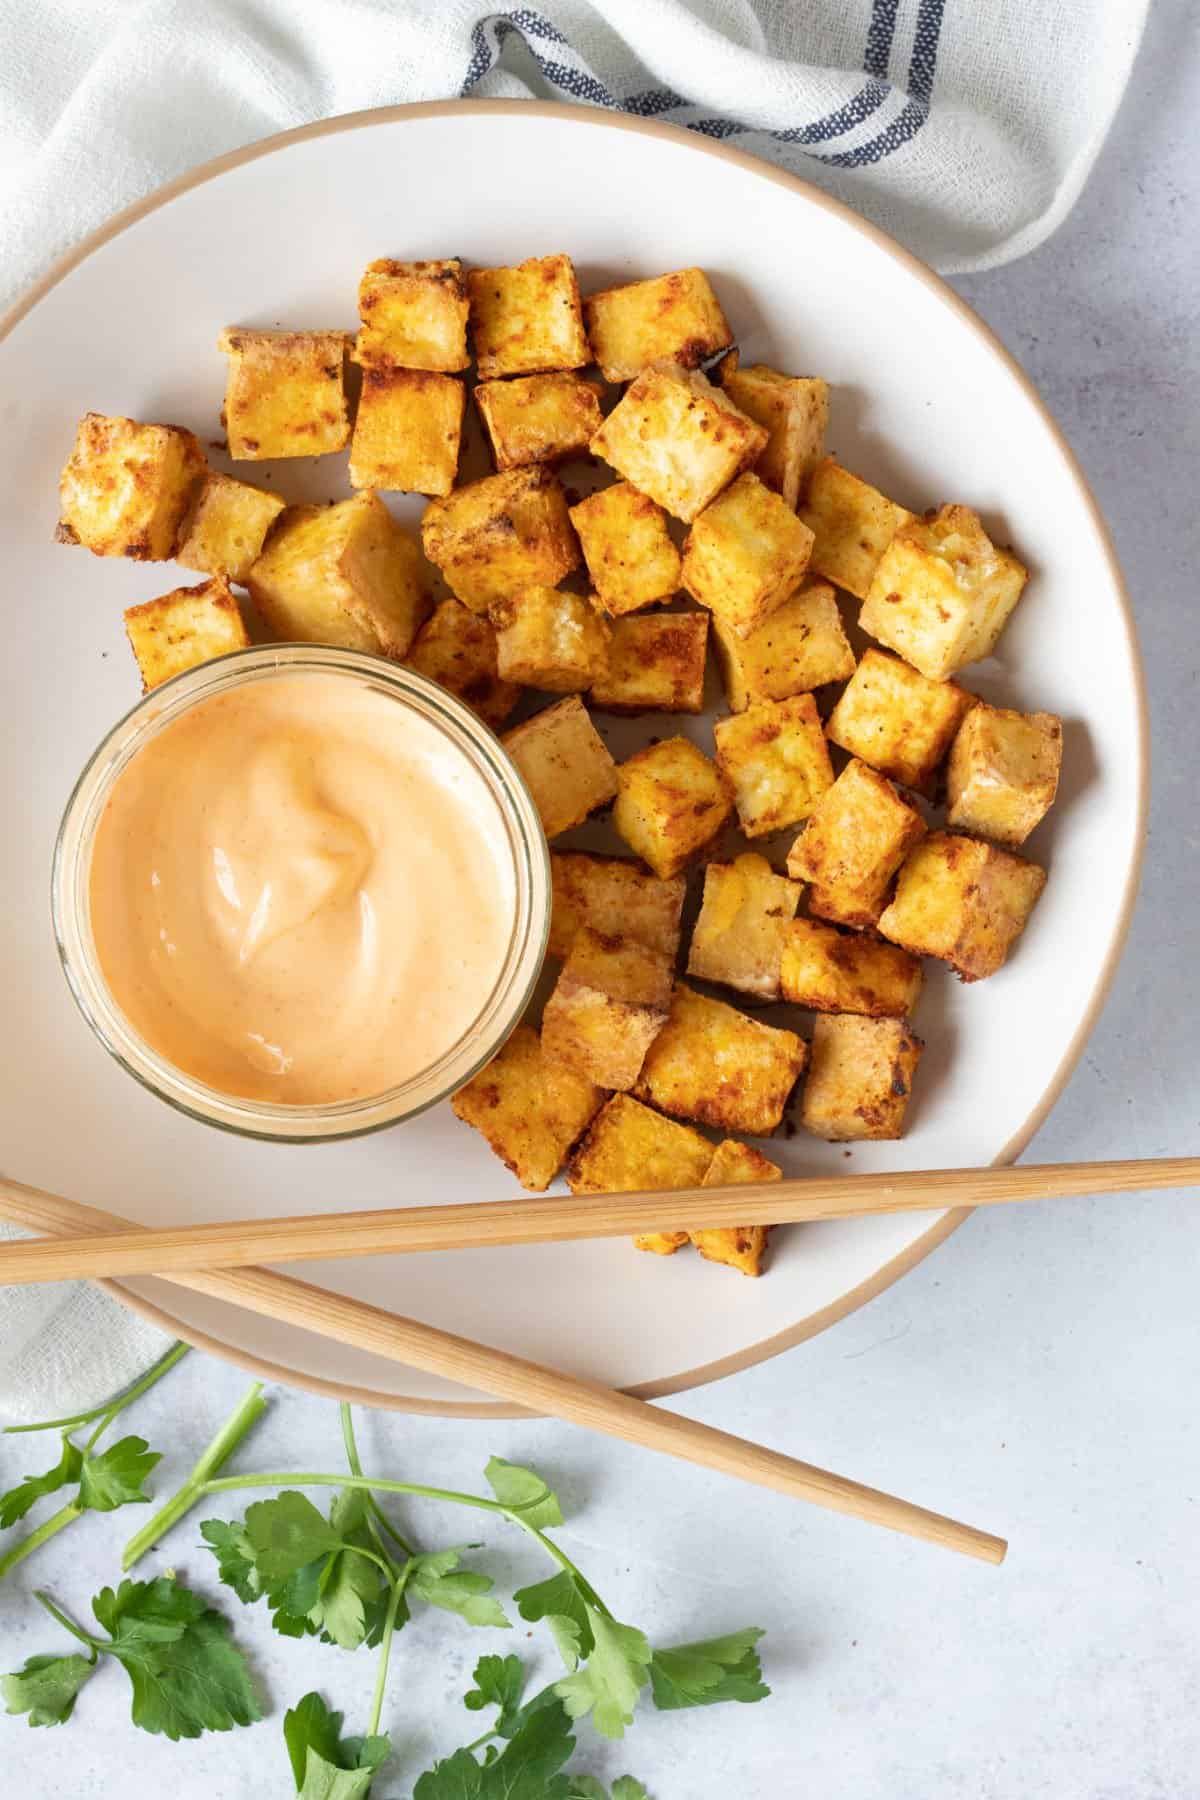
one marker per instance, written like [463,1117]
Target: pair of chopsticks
[218,1260]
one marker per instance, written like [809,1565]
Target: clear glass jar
[466,736]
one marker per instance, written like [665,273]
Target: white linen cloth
[965,127]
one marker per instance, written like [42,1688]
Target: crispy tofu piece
[745,555]
[183,628]
[615,898]
[505,532]
[672,803]
[345,574]
[898,720]
[655,664]
[856,837]
[1002,775]
[285,393]
[564,762]
[673,318]
[964,901]
[414,315]
[859,1077]
[530,1109]
[407,431]
[227,526]
[628,550]
[801,645]
[739,936]
[538,418]
[740,1246]
[610,1003]
[714,1064]
[777,761]
[126,488]
[943,592]
[551,640]
[833,971]
[795,411]
[678,439]
[527,319]
[629,1147]
[457,648]
[853,524]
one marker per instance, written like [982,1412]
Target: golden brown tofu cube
[530,1109]
[1002,775]
[856,837]
[898,720]
[853,524]
[655,664]
[407,431]
[833,971]
[801,645]
[224,532]
[942,593]
[609,1005]
[714,1064]
[776,758]
[551,640]
[538,418]
[672,803]
[678,439]
[964,901]
[860,1076]
[740,1246]
[126,488]
[183,628]
[615,898]
[527,319]
[502,533]
[414,315]
[739,936]
[285,393]
[627,547]
[745,555]
[795,411]
[673,318]
[630,1148]
[565,764]
[345,574]
[457,649]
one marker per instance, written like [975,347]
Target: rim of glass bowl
[500,1012]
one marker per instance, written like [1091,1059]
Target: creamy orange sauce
[301,892]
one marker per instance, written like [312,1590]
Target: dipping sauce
[301,891]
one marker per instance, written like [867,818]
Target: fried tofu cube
[538,418]
[898,720]
[777,761]
[943,592]
[183,628]
[739,1246]
[227,526]
[407,431]
[801,645]
[856,837]
[716,1065]
[457,648]
[285,393]
[1002,775]
[853,524]
[529,1108]
[739,936]
[673,318]
[745,555]
[126,488]
[859,1077]
[795,411]
[627,548]
[527,319]
[833,971]
[655,664]
[672,803]
[629,1147]
[551,640]
[615,898]
[505,532]
[963,901]
[414,315]
[345,574]
[609,1005]
[678,439]
[565,764]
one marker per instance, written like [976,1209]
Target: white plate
[925,402]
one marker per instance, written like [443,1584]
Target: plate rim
[890,1272]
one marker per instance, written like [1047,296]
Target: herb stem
[48,1529]
[67,1624]
[385,1647]
[113,1407]
[240,1422]
[377,1517]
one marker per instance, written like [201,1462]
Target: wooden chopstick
[528,1384]
[559,1217]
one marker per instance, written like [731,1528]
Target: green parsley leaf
[187,1676]
[499,1681]
[325,1781]
[309,1725]
[525,1491]
[350,1583]
[17,1502]
[115,1478]
[286,1533]
[628,1787]
[560,1602]
[45,1687]
[235,1558]
[439,1581]
[326,1766]
[526,1769]
[708,1672]
[625,1787]
[608,1684]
